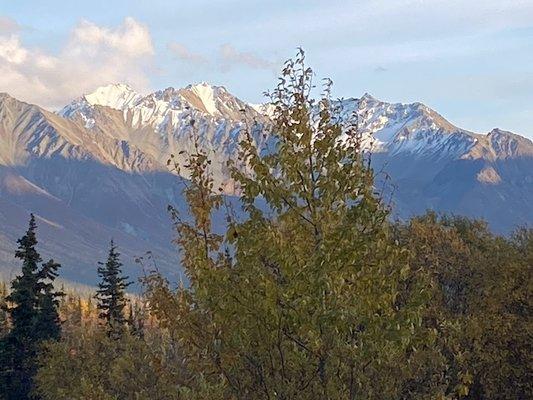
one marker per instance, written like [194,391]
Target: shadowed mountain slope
[97,168]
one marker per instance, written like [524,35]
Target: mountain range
[97,168]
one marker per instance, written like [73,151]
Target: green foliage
[32,309]
[88,364]
[481,306]
[111,293]
[314,294]
[302,299]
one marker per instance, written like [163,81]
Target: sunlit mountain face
[97,168]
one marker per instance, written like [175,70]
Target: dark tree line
[32,309]
[30,313]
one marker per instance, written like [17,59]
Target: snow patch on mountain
[118,96]
[266,109]
[207,94]
[397,128]
[392,128]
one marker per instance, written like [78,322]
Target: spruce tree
[17,350]
[111,293]
[48,324]
[33,314]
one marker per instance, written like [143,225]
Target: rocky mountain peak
[98,168]
[507,144]
[117,95]
[395,128]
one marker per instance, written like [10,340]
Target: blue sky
[472,61]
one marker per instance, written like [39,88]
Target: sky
[472,61]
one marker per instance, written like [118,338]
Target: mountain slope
[97,168]
[433,164]
[84,189]
[163,123]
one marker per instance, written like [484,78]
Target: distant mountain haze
[97,168]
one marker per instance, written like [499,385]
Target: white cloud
[93,56]
[183,53]
[11,51]
[230,57]
[131,39]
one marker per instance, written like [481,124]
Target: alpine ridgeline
[98,168]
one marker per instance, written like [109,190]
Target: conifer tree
[111,293]
[48,324]
[16,376]
[34,318]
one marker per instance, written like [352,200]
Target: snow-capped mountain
[160,123]
[163,107]
[97,168]
[392,128]
[409,128]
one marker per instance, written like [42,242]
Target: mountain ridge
[421,115]
[97,168]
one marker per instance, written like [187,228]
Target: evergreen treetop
[111,294]
[48,323]
[24,288]
[32,308]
